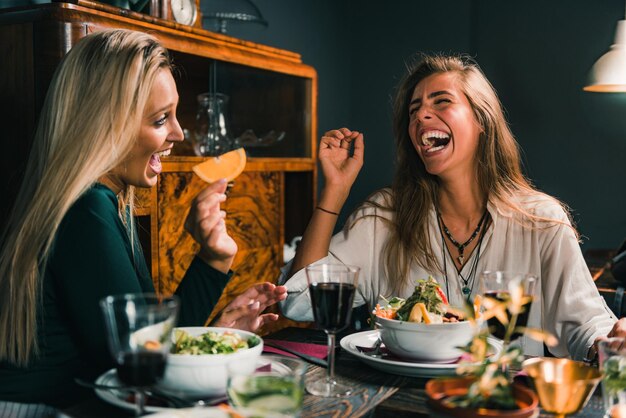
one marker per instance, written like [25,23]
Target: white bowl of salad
[197,366]
[423,327]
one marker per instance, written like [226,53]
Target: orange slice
[226,166]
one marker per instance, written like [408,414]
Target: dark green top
[91,258]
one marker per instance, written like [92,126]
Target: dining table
[376,393]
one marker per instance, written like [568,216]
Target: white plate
[404,368]
[119,397]
[214,412]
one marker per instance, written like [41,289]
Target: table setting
[397,368]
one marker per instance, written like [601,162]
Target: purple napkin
[313,350]
[265,368]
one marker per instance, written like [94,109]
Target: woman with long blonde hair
[108,118]
[459,205]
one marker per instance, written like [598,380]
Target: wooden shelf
[252,164]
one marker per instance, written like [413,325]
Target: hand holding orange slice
[226,166]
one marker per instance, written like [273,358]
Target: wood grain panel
[254,219]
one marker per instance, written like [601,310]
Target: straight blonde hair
[88,125]
[414,190]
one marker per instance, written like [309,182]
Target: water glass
[275,386]
[612,356]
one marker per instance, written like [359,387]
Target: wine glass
[332,288]
[139,327]
[516,291]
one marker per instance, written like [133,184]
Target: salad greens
[426,292]
[211,343]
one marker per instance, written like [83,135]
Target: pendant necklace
[467,285]
[461,247]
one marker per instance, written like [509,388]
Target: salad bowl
[425,342]
[200,368]
[424,327]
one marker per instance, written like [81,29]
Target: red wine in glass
[332,305]
[332,288]
[141,369]
[496,328]
[138,327]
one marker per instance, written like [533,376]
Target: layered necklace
[467,284]
[461,247]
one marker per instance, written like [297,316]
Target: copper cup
[563,386]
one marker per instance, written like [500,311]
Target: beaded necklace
[467,284]
[461,247]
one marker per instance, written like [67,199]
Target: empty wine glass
[332,288]
[139,330]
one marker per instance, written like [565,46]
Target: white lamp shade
[608,74]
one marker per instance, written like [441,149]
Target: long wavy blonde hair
[414,190]
[89,122]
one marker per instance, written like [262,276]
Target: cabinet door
[254,219]
[273,107]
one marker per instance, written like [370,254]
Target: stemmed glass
[515,293]
[139,330]
[332,288]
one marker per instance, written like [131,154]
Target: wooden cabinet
[268,89]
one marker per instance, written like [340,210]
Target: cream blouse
[568,304]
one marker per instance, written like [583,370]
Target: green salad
[211,343]
[427,292]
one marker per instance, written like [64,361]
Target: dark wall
[536,54]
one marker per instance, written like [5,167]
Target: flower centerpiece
[488,385]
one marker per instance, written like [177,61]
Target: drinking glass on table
[139,330]
[516,291]
[612,357]
[275,386]
[332,288]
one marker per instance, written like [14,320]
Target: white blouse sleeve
[359,245]
[574,311]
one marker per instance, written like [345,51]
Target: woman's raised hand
[339,167]
[205,223]
[244,312]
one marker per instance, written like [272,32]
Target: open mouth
[434,141]
[164,153]
[155,160]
